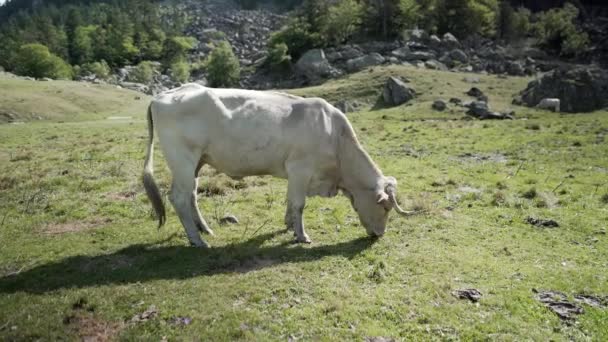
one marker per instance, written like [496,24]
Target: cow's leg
[297,187]
[183,193]
[289,218]
[200,222]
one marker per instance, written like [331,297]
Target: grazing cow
[246,133]
[550,104]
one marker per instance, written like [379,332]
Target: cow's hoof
[303,239]
[202,245]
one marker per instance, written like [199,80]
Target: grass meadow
[81,257]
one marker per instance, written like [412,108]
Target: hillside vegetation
[81,257]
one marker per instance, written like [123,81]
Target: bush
[513,24]
[142,73]
[35,60]
[278,59]
[176,48]
[467,17]
[557,31]
[180,72]
[298,37]
[99,69]
[341,21]
[223,66]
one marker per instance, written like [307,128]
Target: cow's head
[373,206]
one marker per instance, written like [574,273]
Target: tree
[223,66]
[176,48]
[341,21]
[467,17]
[35,60]
[556,30]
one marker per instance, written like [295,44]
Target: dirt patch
[481,158]
[122,196]
[254,264]
[73,227]
[83,321]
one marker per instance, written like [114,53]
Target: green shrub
[180,72]
[467,17]
[556,30]
[100,69]
[298,36]
[223,66]
[341,21]
[176,48]
[278,59]
[513,24]
[35,60]
[142,73]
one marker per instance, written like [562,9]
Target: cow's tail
[148,176]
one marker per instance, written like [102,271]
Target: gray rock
[229,219]
[515,69]
[401,52]
[314,65]
[420,56]
[396,92]
[581,89]
[475,92]
[351,52]
[450,42]
[439,105]
[416,35]
[45,79]
[364,62]
[459,55]
[435,43]
[435,65]
[142,88]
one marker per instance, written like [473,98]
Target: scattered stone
[439,105]
[229,219]
[543,223]
[435,65]
[363,62]
[475,92]
[396,92]
[346,106]
[471,294]
[559,304]
[450,41]
[179,321]
[456,101]
[471,79]
[515,69]
[459,55]
[150,313]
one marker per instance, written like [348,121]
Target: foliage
[341,21]
[417,13]
[278,58]
[512,24]
[556,30]
[35,60]
[177,47]
[223,66]
[100,69]
[298,36]
[180,72]
[466,17]
[142,73]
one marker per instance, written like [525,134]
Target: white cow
[550,104]
[245,133]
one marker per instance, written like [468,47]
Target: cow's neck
[357,169]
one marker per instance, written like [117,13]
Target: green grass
[66,101]
[80,254]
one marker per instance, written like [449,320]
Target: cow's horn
[393,198]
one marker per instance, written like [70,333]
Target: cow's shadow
[145,262]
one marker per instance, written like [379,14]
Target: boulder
[396,92]
[314,65]
[420,56]
[351,52]
[459,56]
[142,88]
[515,69]
[416,35]
[439,105]
[435,43]
[364,62]
[347,106]
[435,65]
[401,52]
[450,42]
[481,110]
[581,89]
[476,93]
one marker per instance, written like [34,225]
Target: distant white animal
[550,104]
[245,133]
